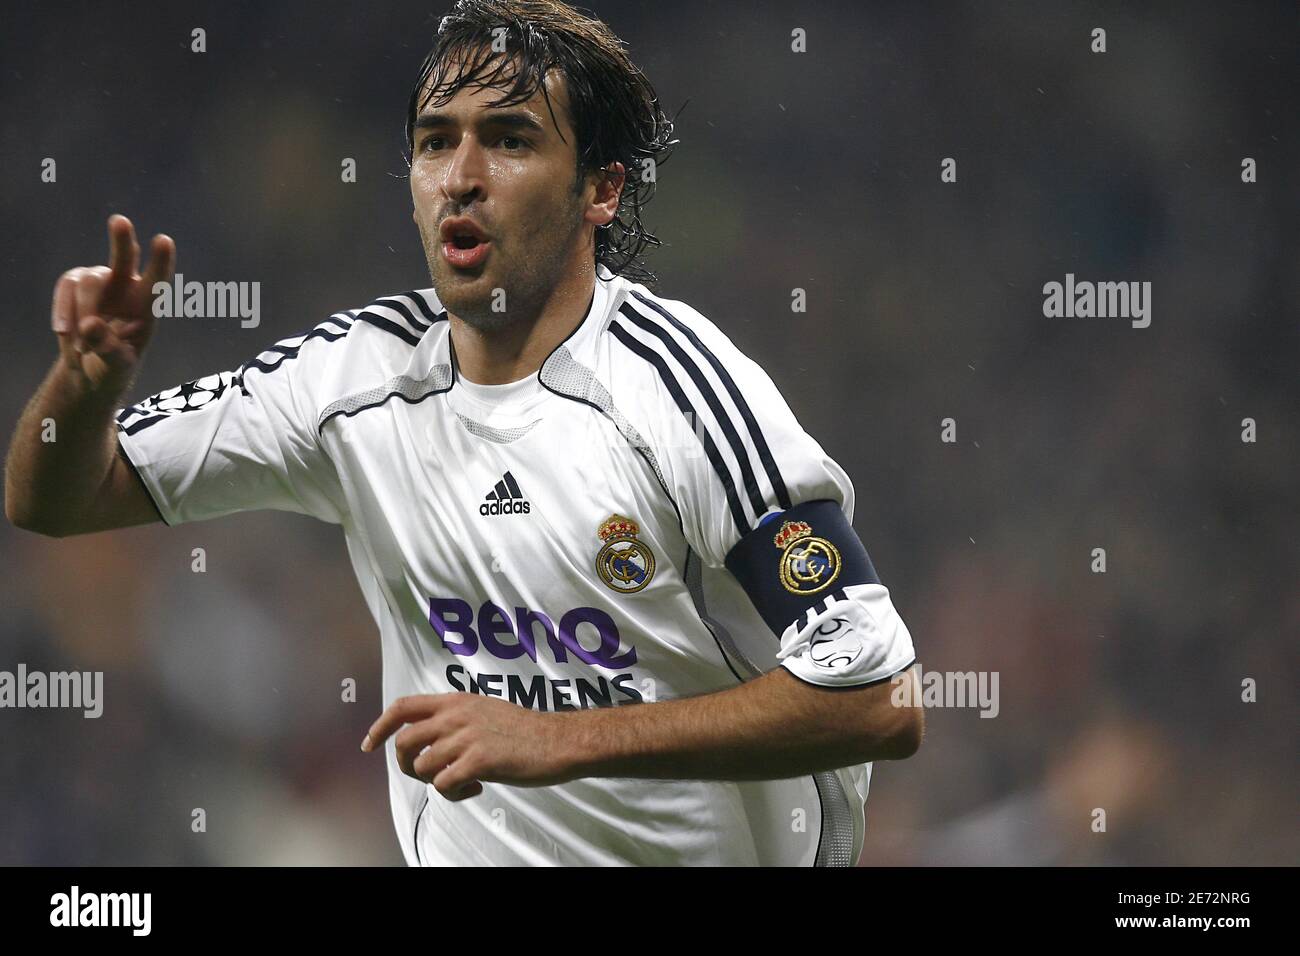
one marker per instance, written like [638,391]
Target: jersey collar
[580,344]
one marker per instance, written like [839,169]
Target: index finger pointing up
[123,250]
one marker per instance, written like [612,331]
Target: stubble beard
[526,288]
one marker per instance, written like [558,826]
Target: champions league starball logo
[624,563]
[808,564]
[834,644]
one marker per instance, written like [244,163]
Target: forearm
[61,452]
[772,727]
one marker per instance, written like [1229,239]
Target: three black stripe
[688,410]
[710,397]
[330,334]
[756,433]
[237,381]
[734,439]
[399,304]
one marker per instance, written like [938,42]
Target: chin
[451,286]
[475,310]
[454,294]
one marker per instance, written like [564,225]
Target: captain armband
[811,580]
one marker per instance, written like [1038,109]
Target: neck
[517,351]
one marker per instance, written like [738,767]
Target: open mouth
[466,252]
[464,242]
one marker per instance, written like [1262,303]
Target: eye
[424,144]
[516,139]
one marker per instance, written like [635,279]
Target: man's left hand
[457,740]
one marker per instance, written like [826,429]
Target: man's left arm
[845,692]
[772,727]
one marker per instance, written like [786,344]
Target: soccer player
[625,618]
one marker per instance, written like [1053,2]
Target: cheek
[546,215]
[422,191]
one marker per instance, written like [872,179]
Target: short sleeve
[760,496]
[732,451]
[241,440]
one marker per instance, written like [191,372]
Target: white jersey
[559,542]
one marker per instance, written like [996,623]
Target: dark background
[817,171]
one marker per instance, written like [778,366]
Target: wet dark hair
[614,111]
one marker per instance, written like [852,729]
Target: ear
[609,189]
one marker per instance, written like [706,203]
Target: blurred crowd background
[819,171]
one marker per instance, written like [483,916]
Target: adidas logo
[505,499]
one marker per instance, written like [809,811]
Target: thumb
[107,360]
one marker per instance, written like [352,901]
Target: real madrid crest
[808,564]
[624,563]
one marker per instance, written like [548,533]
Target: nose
[464,178]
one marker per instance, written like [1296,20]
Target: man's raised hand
[103,315]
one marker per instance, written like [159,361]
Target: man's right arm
[63,474]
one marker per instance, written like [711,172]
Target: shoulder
[399,317]
[353,347]
[648,325]
[718,424]
[666,353]
[394,323]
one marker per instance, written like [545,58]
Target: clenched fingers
[414,738]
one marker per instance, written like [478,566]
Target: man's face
[507,170]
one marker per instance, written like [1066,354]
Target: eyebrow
[509,120]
